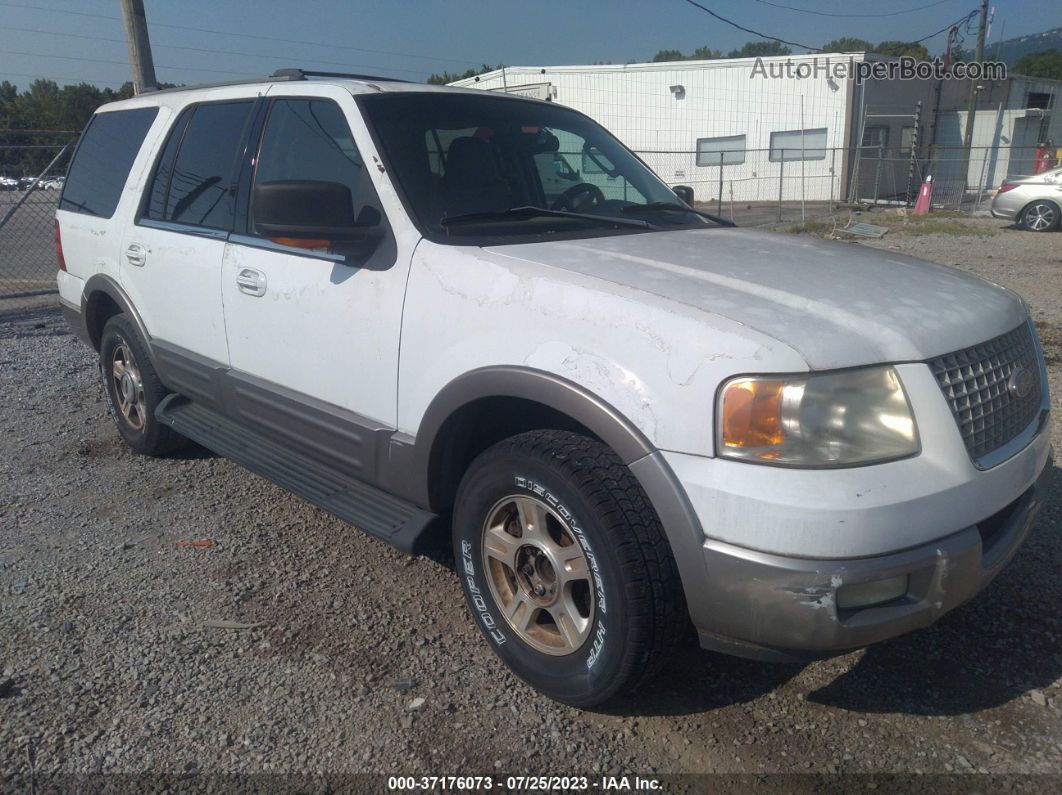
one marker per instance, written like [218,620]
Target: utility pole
[971,104]
[136,37]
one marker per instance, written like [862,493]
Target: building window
[875,136]
[907,135]
[1038,99]
[798,145]
[728,151]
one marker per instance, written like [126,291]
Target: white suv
[633,418]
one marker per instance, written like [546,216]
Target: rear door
[171,258]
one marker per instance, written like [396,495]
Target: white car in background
[1033,203]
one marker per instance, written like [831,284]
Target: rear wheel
[565,566]
[133,389]
[1040,216]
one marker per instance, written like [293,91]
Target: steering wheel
[570,201]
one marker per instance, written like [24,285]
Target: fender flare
[102,283]
[527,383]
[666,494]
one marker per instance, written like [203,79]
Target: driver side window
[308,139]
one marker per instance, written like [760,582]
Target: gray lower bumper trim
[768,606]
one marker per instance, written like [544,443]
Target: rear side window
[101,165]
[195,182]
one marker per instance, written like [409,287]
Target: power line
[215,52]
[864,16]
[817,49]
[959,21]
[123,63]
[242,35]
[750,30]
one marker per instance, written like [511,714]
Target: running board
[377,513]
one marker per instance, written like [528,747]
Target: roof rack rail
[222,84]
[295,73]
[279,76]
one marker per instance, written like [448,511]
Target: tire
[1040,216]
[133,389]
[588,629]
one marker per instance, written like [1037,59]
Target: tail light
[59,247]
[1005,187]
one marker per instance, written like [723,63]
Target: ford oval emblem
[1021,383]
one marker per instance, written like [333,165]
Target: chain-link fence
[32,165]
[761,186]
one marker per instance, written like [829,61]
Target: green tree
[848,44]
[1046,64]
[704,53]
[669,55]
[900,48]
[760,49]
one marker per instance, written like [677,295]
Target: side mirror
[684,192]
[305,209]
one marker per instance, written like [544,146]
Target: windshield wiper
[675,207]
[528,211]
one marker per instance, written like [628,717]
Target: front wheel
[565,566]
[1040,216]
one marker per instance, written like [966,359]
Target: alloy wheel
[128,386]
[1040,217]
[539,574]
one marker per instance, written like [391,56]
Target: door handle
[251,282]
[136,254]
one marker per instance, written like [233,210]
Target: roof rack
[302,74]
[279,76]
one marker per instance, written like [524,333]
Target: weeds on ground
[940,222]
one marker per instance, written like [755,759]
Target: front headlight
[844,418]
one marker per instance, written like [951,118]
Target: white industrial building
[811,131]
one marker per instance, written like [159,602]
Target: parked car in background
[8,183]
[1033,203]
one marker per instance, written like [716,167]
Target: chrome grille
[975,383]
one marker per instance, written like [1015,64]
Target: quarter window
[798,145]
[101,166]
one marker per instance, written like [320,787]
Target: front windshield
[465,162]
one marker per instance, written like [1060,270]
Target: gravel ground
[361,660]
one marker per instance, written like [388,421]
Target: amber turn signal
[752,413]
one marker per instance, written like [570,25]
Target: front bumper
[788,606]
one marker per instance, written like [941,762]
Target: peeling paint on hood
[837,304]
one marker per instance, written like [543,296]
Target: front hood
[837,304]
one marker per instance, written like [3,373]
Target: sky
[197,41]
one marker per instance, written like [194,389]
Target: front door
[312,331]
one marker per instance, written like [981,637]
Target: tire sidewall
[116,333]
[1056,209]
[595,670]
